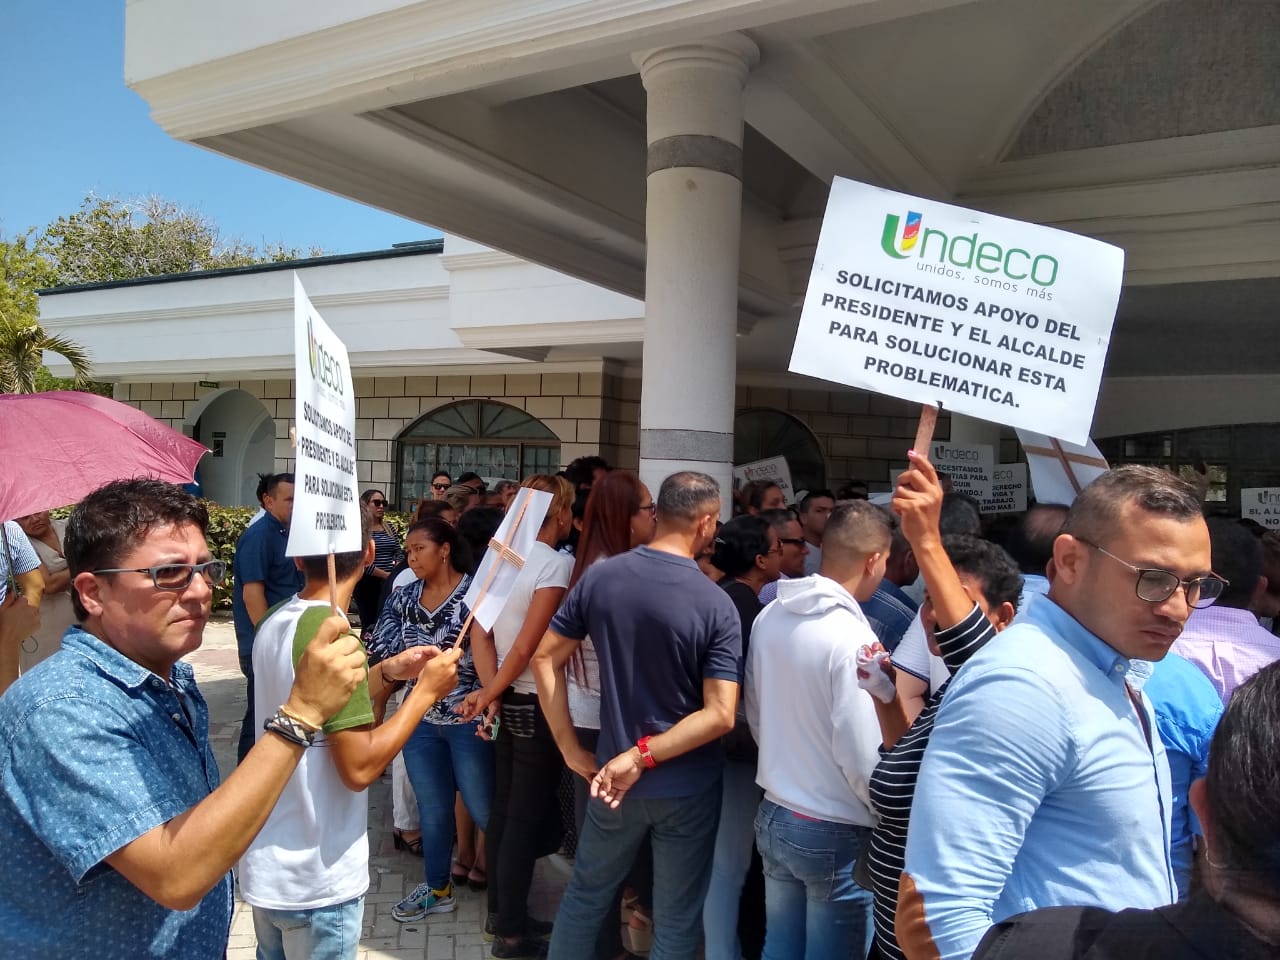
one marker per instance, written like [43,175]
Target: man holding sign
[1045,783]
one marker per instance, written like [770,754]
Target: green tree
[23,270]
[107,239]
[120,239]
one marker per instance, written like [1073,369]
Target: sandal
[413,846]
[459,872]
[637,935]
[478,879]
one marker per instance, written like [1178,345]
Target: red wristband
[643,746]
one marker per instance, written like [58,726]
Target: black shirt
[1195,929]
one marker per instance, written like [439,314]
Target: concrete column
[693,218]
[973,431]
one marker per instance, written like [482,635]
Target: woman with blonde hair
[524,823]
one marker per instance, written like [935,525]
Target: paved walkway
[392,874]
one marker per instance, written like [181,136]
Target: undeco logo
[324,366]
[964,250]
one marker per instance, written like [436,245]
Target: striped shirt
[387,552]
[894,782]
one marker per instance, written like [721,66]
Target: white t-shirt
[313,850]
[543,569]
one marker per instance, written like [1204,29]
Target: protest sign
[1261,504]
[1060,470]
[326,507]
[1008,489]
[970,467]
[510,546]
[772,470]
[986,316]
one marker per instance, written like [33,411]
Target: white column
[693,218]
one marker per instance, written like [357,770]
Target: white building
[680,151]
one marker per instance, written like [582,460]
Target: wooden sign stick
[1066,465]
[333,584]
[924,432]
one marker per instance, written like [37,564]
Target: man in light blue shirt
[1046,783]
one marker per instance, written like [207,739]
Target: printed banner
[1261,504]
[1008,489]
[774,470]
[989,317]
[326,506]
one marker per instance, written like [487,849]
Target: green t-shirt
[359,709]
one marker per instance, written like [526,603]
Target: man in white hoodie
[818,742]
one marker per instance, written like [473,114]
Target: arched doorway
[492,439]
[763,433]
[241,436]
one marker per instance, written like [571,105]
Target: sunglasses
[377,503]
[439,486]
[176,576]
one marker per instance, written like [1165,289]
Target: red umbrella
[57,447]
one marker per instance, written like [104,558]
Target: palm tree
[22,346]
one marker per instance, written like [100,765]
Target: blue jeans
[441,759]
[683,833]
[814,910]
[324,933]
[249,725]
[735,840]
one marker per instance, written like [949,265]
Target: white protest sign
[990,317]
[491,586]
[772,470]
[1261,504]
[969,466]
[326,507]
[1059,470]
[1008,489]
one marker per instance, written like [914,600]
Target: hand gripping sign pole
[508,550]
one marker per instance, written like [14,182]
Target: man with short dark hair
[440,484]
[815,760]
[472,480]
[585,471]
[793,551]
[815,507]
[1237,911]
[1045,782]
[117,836]
[263,577]
[1226,642]
[307,871]
[670,666]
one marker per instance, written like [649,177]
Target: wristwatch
[292,730]
[643,746]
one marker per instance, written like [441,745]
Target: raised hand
[917,500]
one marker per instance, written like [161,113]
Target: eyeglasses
[377,503]
[651,508]
[1156,586]
[439,486]
[176,576]
[793,541]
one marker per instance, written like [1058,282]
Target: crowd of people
[827,730]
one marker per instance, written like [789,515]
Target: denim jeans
[814,909]
[324,933]
[683,833]
[441,759]
[735,839]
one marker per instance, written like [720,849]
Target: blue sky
[71,127]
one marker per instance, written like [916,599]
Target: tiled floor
[450,936]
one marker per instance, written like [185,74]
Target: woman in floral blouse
[444,754]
